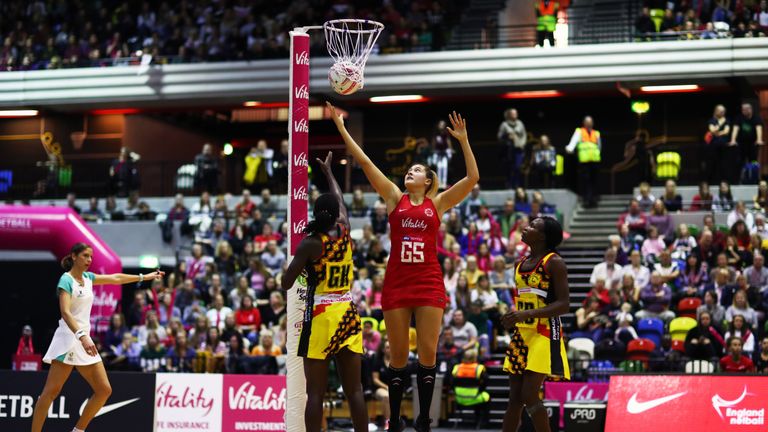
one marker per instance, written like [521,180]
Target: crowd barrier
[152,402]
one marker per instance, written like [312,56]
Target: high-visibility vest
[667,165]
[466,378]
[588,150]
[547,18]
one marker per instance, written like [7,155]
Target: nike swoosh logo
[109,408]
[635,407]
[401,210]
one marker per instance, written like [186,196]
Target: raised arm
[325,166]
[383,186]
[309,248]
[122,278]
[463,187]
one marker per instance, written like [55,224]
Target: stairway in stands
[466,35]
[589,231]
[602,21]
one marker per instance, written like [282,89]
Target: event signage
[254,403]
[688,402]
[565,392]
[129,408]
[188,402]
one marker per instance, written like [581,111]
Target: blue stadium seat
[651,328]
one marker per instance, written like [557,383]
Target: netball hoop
[349,42]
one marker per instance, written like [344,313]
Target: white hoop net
[350,42]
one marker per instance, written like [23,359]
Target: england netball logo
[429,212]
[738,416]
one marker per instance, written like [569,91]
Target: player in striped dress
[331,327]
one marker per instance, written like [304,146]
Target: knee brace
[534,407]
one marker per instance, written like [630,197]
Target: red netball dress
[413,277]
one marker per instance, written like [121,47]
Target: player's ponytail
[326,212]
[432,188]
[67,262]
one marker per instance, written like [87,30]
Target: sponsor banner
[188,402]
[688,402]
[128,409]
[254,403]
[564,392]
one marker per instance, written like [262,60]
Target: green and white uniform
[65,347]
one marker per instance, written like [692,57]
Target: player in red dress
[413,282]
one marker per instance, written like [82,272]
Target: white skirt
[68,350]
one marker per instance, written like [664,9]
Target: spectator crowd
[691,20]
[53,34]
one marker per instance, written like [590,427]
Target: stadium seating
[687,307]
[699,367]
[640,349]
[652,329]
[678,327]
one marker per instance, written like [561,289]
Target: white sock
[77,430]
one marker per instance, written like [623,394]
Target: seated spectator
[712,307]
[131,210]
[470,242]
[117,328]
[181,356]
[656,298]
[723,202]
[634,219]
[640,273]
[761,229]
[608,270]
[360,286]
[644,25]
[464,332]
[178,212]
[271,314]
[704,342]
[660,219]
[589,321]
[447,350]
[480,318]
[213,350]
[761,357]
[672,200]
[246,205]
[358,208]
[600,293]
[373,297]
[267,206]
[736,258]
[241,290]
[684,243]
[376,257]
[707,250]
[693,278]
[445,241]
[736,361]
[273,258]
[236,352]
[652,246]
[126,354]
[256,274]
[667,268]
[502,280]
[624,331]
[722,265]
[741,307]
[94,213]
[702,201]
[230,328]
[265,346]
[371,338]
[760,201]
[380,220]
[145,213]
[461,298]
[484,221]
[516,243]
[507,217]
[522,204]
[488,297]
[248,318]
[152,325]
[645,198]
[261,241]
[628,291]
[484,258]
[218,312]
[757,273]
[740,213]
[718,236]
[153,356]
[472,272]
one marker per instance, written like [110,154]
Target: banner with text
[254,403]
[687,402]
[188,402]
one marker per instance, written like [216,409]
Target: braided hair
[553,233]
[326,212]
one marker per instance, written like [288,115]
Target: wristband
[141,278]
[80,333]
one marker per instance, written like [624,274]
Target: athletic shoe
[422,424]
[399,428]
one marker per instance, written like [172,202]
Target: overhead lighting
[115,111]
[397,98]
[149,261]
[532,94]
[343,162]
[228,149]
[670,88]
[251,103]
[18,113]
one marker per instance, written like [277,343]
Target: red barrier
[687,402]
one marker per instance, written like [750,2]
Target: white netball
[345,79]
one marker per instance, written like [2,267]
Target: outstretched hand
[326,164]
[338,120]
[459,129]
